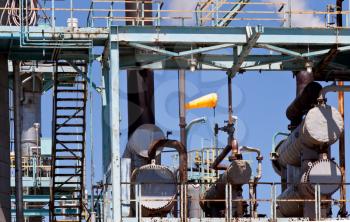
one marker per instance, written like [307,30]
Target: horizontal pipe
[333,88]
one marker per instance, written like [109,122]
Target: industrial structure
[51,46]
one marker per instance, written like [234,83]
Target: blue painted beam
[230,35]
[252,37]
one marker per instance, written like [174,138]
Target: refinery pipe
[253,184]
[223,154]
[303,103]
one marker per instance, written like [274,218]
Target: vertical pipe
[18,150]
[182,124]
[182,111]
[341,107]
[342,153]
[230,128]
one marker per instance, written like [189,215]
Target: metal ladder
[68,148]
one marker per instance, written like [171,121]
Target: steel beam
[231,35]
[252,37]
[114,128]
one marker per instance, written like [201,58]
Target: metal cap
[143,137]
[326,173]
[158,187]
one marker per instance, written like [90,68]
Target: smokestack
[140,82]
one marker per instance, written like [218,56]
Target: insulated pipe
[223,154]
[303,103]
[321,128]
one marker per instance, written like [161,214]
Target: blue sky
[260,101]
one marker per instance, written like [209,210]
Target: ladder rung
[67,158]
[70,99]
[70,117]
[67,175]
[71,90]
[68,150]
[67,167]
[69,133]
[67,182]
[68,191]
[69,141]
[65,207]
[59,81]
[70,125]
[70,108]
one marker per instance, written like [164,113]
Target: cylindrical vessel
[31,114]
[237,174]
[286,207]
[321,127]
[158,189]
[324,172]
[31,118]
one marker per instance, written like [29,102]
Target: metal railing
[268,201]
[34,166]
[60,20]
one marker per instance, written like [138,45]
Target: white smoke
[301,20]
[298,20]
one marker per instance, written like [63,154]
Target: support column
[343,212]
[114,112]
[5,202]
[18,149]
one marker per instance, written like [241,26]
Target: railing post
[317,202]
[158,10]
[273,202]
[290,13]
